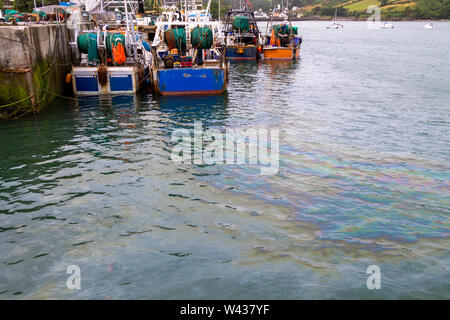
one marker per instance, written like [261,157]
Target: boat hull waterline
[248,52]
[281,53]
[121,80]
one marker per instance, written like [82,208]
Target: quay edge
[34,60]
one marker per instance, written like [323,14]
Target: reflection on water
[212,110]
[363,179]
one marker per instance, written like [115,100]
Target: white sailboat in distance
[335,24]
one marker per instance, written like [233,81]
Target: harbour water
[364,119]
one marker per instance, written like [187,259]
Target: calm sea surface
[364,119]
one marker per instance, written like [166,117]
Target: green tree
[28,5]
[224,7]
[432,9]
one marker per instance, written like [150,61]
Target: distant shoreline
[353,19]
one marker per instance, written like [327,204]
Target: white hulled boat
[387,25]
[110,58]
[335,24]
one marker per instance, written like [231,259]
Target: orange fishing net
[274,40]
[119,54]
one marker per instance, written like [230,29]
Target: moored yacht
[260,15]
[387,25]
[335,24]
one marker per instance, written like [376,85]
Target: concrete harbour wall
[34,60]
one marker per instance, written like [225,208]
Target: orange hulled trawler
[281,42]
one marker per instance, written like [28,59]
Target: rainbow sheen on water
[364,180]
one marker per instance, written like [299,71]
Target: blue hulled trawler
[187,53]
[241,34]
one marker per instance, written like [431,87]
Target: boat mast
[207,11]
[126,14]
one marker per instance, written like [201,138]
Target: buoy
[146,46]
[68,78]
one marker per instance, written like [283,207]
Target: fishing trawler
[187,57]
[241,34]
[282,41]
[111,59]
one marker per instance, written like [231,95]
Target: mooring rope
[16,102]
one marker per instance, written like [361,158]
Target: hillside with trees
[390,9]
